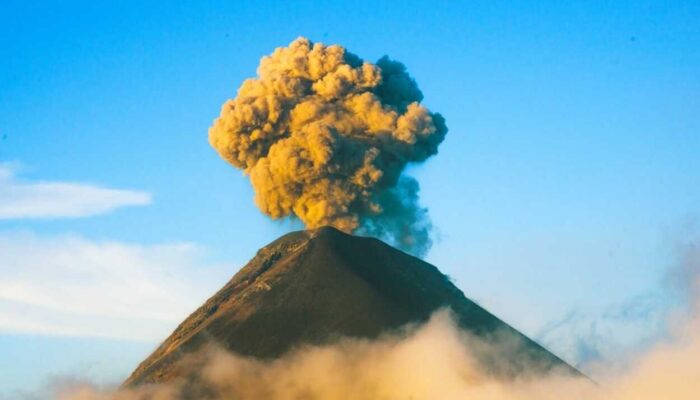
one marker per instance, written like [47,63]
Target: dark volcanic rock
[312,287]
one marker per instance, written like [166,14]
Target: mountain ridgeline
[315,287]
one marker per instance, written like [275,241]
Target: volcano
[314,287]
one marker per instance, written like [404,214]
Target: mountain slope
[316,286]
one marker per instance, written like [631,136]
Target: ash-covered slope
[316,286]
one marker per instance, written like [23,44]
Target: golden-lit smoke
[325,136]
[433,361]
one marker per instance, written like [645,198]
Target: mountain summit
[314,287]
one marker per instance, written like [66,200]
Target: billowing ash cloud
[325,137]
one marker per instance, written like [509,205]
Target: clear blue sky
[569,171]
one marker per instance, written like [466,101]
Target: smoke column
[325,136]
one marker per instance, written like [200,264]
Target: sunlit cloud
[21,199]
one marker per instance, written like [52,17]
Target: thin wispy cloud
[21,199]
[70,285]
[585,337]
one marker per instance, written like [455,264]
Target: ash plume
[325,136]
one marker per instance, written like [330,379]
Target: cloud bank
[434,361]
[69,285]
[325,136]
[24,200]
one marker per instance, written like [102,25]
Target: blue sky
[569,173]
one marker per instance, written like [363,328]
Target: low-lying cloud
[70,285]
[433,361]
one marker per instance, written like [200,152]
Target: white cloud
[19,199]
[68,285]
